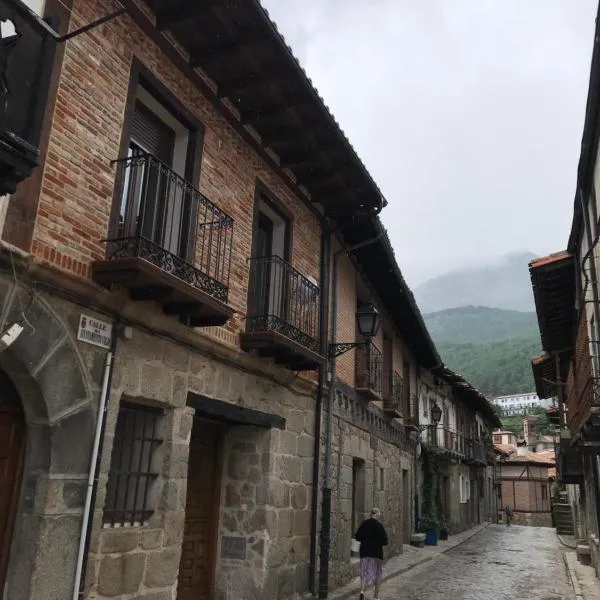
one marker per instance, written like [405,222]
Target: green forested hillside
[492,348]
[479,324]
[495,368]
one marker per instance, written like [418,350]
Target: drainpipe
[326,506]
[92,484]
[323,370]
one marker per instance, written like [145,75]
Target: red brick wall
[346,318]
[525,495]
[77,187]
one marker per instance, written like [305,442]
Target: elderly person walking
[372,537]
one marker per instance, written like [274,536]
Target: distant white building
[520,404]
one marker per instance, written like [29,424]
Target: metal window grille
[132,468]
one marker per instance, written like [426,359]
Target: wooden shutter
[152,134]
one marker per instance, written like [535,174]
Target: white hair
[375,513]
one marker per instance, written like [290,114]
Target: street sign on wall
[94,331]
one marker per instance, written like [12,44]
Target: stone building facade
[169,263]
[459,462]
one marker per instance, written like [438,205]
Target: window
[381,478]
[465,489]
[133,471]
[544,492]
[271,278]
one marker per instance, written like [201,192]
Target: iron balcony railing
[369,368]
[446,438]
[394,392]
[282,300]
[476,451]
[166,221]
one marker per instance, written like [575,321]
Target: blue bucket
[431,538]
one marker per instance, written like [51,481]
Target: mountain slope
[503,284]
[495,368]
[491,347]
[480,324]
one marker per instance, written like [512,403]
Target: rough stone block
[289,468]
[126,374]
[279,493]
[301,522]
[237,466]
[176,357]
[151,539]
[300,549]
[156,383]
[32,348]
[285,523]
[286,582]
[173,528]
[162,567]
[302,578]
[180,390]
[295,421]
[232,496]
[74,431]
[119,541]
[307,471]
[306,446]
[299,496]
[176,463]
[288,442]
[61,379]
[73,494]
[122,574]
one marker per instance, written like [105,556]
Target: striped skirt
[371,569]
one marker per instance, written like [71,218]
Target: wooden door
[11,453]
[198,555]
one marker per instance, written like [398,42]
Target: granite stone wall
[366,444]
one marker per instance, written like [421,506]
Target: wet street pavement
[503,563]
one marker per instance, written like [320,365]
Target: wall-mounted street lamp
[436,415]
[368,321]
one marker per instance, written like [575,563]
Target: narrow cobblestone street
[504,563]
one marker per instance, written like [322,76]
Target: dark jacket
[372,537]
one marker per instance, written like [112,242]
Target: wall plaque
[233,547]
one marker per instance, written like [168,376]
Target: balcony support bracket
[336,350]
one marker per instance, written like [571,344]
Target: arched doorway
[12,438]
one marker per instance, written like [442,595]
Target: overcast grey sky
[468,114]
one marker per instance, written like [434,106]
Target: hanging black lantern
[368,320]
[436,414]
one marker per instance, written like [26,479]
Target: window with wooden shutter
[151,134]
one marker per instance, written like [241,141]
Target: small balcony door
[263,248]
[270,279]
[155,204]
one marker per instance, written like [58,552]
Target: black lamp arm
[341,348]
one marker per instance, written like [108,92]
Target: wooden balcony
[283,315]
[171,245]
[581,393]
[369,372]
[28,48]
[393,395]
[445,440]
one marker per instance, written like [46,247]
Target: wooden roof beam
[226,89]
[222,48]
[250,116]
[182,11]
